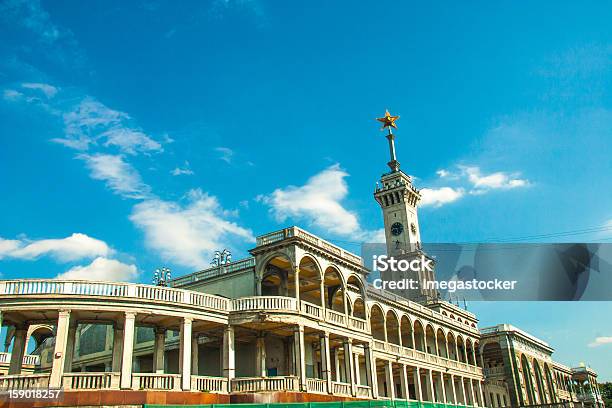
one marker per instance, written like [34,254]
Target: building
[296,321]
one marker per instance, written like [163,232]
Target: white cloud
[187,234]
[119,176]
[442,173]
[226,154]
[102,269]
[77,246]
[437,197]
[90,121]
[600,341]
[12,95]
[130,140]
[48,90]
[497,180]
[186,170]
[317,202]
[32,16]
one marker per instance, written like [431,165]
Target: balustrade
[156,381]
[10,382]
[336,318]
[312,310]
[208,384]
[362,391]
[340,388]
[256,384]
[264,303]
[316,385]
[83,381]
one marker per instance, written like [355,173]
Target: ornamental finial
[388,121]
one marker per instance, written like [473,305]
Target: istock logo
[384,263]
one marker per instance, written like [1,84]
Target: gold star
[388,121]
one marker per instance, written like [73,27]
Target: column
[481,392]
[474,354]
[452,379]
[465,396]
[19,345]
[348,364]
[127,349]
[159,350]
[442,383]
[229,362]
[325,359]
[296,274]
[300,357]
[260,356]
[417,384]
[70,346]
[59,354]
[337,364]
[185,352]
[473,396]
[370,364]
[195,355]
[117,347]
[404,382]
[389,380]
[357,370]
[431,386]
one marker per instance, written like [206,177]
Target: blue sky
[143,134]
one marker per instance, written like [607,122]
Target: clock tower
[398,199]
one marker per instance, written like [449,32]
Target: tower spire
[388,122]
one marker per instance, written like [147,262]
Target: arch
[527,380]
[392,327]
[334,289]
[430,339]
[358,309]
[461,348]
[276,275]
[441,343]
[419,336]
[469,349]
[550,383]
[492,355]
[377,322]
[406,332]
[451,345]
[477,354]
[539,382]
[310,280]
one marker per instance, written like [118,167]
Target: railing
[213,272]
[84,381]
[336,318]
[316,385]
[379,345]
[264,303]
[308,237]
[339,388]
[28,359]
[256,384]
[312,310]
[362,391]
[156,381]
[358,324]
[208,384]
[10,382]
[493,371]
[114,290]
[394,348]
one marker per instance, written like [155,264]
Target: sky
[143,134]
